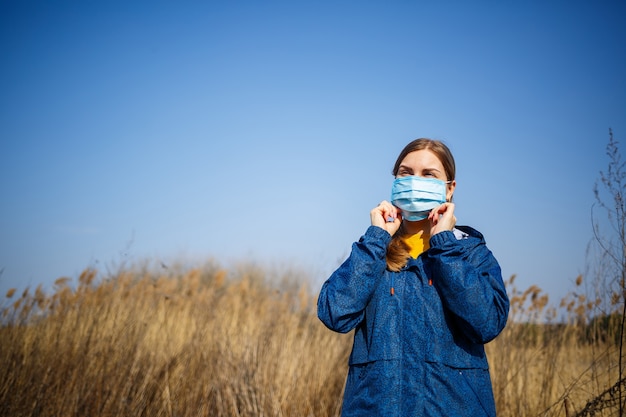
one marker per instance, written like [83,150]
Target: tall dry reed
[547,356]
[201,343]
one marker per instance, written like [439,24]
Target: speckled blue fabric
[418,352]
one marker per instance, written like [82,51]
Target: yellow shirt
[418,243]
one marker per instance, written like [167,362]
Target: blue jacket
[418,351]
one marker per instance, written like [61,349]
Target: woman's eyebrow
[405,168]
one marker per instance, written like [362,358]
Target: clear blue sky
[266,131]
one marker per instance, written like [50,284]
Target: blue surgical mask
[417,196]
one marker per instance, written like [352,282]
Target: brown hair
[397,250]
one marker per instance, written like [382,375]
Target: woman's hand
[386,216]
[442,218]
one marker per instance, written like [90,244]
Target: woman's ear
[450,190]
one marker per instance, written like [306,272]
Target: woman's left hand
[442,218]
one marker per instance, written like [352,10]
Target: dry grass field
[247,342]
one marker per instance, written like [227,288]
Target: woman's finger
[442,218]
[386,216]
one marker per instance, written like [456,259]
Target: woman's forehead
[424,158]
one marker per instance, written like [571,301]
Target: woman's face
[424,163]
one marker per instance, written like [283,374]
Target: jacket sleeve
[344,296]
[469,281]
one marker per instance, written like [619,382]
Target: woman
[423,296]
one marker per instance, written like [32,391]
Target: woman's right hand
[386,216]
